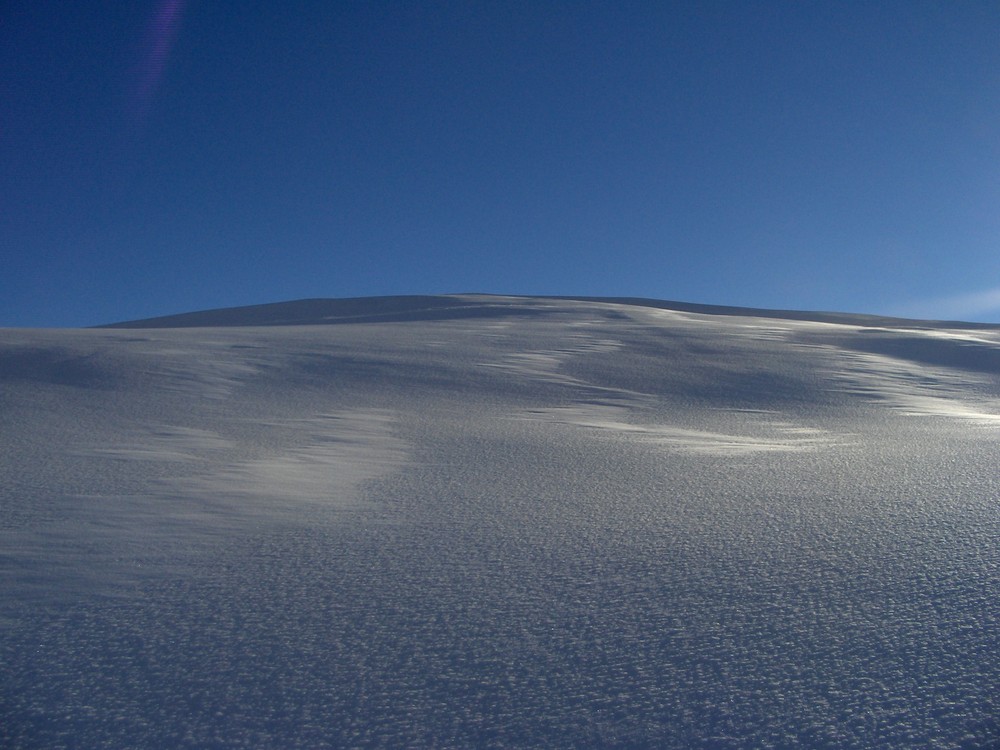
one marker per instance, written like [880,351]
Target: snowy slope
[500,521]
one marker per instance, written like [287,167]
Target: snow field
[547,523]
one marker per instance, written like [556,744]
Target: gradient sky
[162,156]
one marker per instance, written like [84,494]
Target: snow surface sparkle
[488,521]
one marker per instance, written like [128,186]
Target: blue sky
[163,156]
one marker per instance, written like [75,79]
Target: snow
[477,521]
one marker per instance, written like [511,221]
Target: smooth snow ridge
[479,521]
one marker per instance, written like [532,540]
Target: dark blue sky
[162,156]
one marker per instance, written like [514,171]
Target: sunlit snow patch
[341,451]
[773,436]
[920,390]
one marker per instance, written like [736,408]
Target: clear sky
[161,156]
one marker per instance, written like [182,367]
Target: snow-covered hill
[475,521]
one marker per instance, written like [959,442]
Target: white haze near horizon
[544,523]
[976,305]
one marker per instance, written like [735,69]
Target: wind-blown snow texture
[487,521]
